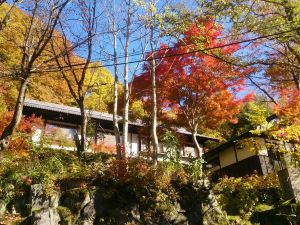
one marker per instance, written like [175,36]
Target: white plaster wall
[109,139]
[189,151]
[227,157]
[143,145]
[245,152]
[134,145]
[162,149]
[250,149]
[36,137]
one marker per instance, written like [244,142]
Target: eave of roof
[184,131]
[94,114]
[227,144]
[73,110]
[247,134]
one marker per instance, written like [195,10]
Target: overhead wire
[138,53]
[165,56]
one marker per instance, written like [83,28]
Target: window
[188,151]
[61,135]
[106,142]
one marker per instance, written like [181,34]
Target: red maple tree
[195,81]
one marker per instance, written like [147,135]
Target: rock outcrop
[43,206]
[113,205]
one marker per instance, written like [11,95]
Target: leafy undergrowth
[244,197]
[47,167]
[124,185]
[11,219]
[127,184]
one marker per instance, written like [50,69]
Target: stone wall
[113,206]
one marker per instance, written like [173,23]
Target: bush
[21,140]
[125,189]
[240,196]
[285,214]
[48,167]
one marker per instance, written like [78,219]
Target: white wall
[245,152]
[134,145]
[108,139]
[227,157]
[189,151]
[36,137]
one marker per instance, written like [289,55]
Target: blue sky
[103,44]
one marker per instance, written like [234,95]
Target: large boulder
[66,216]
[88,213]
[44,207]
[81,204]
[45,216]
[75,199]
[40,200]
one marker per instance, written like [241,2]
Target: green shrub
[285,214]
[195,169]
[48,167]
[240,196]
[123,188]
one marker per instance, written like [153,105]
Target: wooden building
[62,122]
[250,153]
[243,155]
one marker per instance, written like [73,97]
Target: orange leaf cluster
[199,86]
[27,126]
[290,104]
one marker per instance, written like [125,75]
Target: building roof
[73,110]
[229,143]
[247,134]
[184,131]
[93,114]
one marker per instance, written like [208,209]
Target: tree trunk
[198,149]
[126,107]
[115,109]
[17,116]
[126,85]
[155,145]
[82,147]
